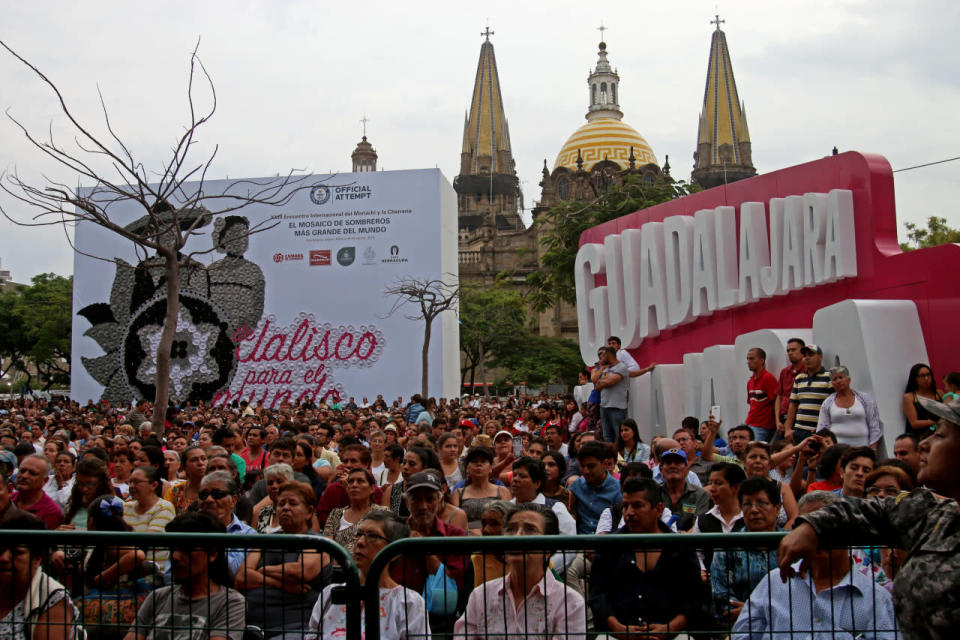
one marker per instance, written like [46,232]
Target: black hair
[631,424]
[760,352]
[203,522]
[953,378]
[27,522]
[912,377]
[98,452]
[759,484]
[155,456]
[394,450]
[153,475]
[221,434]
[826,433]
[857,452]
[534,467]
[647,486]
[910,436]
[427,456]
[478,451]
[799,341]
[634,470]
[901,464]
[557,457]
[615,339]
[732,473]
[593,449]
[741,427]
[829,460]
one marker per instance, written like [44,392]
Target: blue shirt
[235,557]
[854,608]
[591,501]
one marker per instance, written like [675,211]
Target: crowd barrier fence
[824,612]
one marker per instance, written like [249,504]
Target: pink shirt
[550,610]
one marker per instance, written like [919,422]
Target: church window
[603,92]
[613,92]
[593,94]
[563,188]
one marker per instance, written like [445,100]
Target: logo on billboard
[287,257]
[346,256]
[319,194]
[320,258]
[369,256]
[394,256]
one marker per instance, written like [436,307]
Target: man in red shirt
[785,384]
[761,394]
[255,456]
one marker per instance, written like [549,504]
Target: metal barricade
[748,588]
[39,568]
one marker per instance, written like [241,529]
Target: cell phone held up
[517,446]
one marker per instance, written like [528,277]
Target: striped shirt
[809,392]
[153,521]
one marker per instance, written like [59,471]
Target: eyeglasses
[216,494]
[876,491]
[746,506]
[369,535]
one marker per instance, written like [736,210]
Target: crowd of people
[364,474]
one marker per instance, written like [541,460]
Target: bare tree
[174,203]
[431,298]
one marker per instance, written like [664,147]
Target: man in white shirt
[624,356]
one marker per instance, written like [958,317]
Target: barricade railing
[604,572]
[579,587]
[36,567]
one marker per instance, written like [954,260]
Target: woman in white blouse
[852,415]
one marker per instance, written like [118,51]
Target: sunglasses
[216,494]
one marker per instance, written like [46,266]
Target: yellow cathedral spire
[723,140]
[486,140]
[487,187]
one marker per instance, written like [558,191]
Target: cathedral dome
[605,138]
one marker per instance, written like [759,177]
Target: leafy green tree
[553,282]
[488,315]
[537,359]
[14,343]
[936,233]
[47,308]
[495,332]
[35,323]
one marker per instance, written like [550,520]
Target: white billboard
[294,312]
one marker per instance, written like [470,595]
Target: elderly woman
[265,511]
[32,604]
[926,524]
[282,585]
[219,491]
[852,415]
[402,611]
[342,522]
[220,460]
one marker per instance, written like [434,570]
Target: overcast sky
[294,78]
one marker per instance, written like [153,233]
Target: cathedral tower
[723,141]
[487,187]
[364,157]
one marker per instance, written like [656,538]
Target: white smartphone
[517,446]
[715,412]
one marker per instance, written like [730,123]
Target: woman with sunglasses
[219,492]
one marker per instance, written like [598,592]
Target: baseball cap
[502,433]
[478,452]
[390,427]
[9,458]
[812,348]
[674,452]
[424,480]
